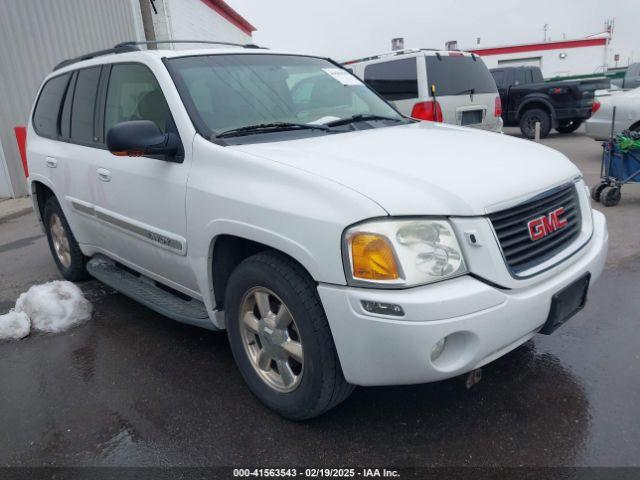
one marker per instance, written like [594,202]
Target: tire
[611,196]
[528,120]
[65,249]
[320,384]
[596,191]
[569,127]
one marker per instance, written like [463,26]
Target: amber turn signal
[373,258]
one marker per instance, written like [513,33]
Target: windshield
[459,75]
[227,92]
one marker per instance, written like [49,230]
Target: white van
[442,86]
[362,250]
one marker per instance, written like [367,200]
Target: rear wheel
[611,196]
[530,118]
[280,337]
[64,247]
[569,127]
[596,191]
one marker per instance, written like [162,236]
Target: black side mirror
[143,138]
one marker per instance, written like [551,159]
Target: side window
[498,76]
[394,80]
[134,94]
[45,116]
[84,104]
[520,76]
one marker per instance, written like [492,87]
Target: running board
[146,291]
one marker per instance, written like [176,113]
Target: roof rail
[121,48]
[206,42]
[135,46]
[388,54]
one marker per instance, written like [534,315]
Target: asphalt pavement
[132,388]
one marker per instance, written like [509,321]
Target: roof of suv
[410,51]
[111,56]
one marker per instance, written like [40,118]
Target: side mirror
[143,138]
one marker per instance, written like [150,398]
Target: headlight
[401,253]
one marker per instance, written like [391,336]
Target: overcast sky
[345,29]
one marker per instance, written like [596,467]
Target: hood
[426,168]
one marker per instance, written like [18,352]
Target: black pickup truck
[526,99]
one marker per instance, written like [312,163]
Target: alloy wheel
[271,339]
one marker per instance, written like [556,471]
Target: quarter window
[45,116]
[84,104]
[134,94]
[394,80]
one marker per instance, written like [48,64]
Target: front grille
[511,227]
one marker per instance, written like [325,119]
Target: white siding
[35,35]
[194,20]
[577,61]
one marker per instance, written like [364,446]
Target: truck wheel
[569,127]
[596,191]
[64,247]
[280,337]
[529,119]
[611,196]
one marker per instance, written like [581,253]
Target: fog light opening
[438,348]
[382,308]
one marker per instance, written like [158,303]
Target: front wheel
[280,337]
[530,118]
[569,127]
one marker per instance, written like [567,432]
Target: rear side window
[394,80]
[498,76]
[45,116]
[84,104]
[134,94]
[459,75]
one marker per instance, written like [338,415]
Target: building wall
[35,35]
[197,20]
[574,57]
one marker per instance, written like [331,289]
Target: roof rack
[135,46]
[388,54]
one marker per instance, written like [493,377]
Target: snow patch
[52,307]
[14,325]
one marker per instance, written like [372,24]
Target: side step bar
[145,291]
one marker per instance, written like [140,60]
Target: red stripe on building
[536,47]
[229,14]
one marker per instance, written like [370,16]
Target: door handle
[104,174]
[51,162]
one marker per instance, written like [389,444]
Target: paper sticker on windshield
[342,76]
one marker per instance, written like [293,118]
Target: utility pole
[147,21]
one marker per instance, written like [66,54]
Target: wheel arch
[536,102]
[41,191]
[231,245]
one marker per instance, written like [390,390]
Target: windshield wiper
[470,91]
[361,117]
[270,127]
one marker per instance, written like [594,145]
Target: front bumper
[482,322]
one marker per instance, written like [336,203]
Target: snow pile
[14,325]
[52,307]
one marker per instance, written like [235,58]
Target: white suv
[442,86]
[276,196]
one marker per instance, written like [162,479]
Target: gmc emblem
[542,226]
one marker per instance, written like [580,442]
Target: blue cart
[618,168]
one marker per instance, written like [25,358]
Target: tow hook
[473,377]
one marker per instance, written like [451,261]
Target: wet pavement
[134,388]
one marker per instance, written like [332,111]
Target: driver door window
[134,94]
